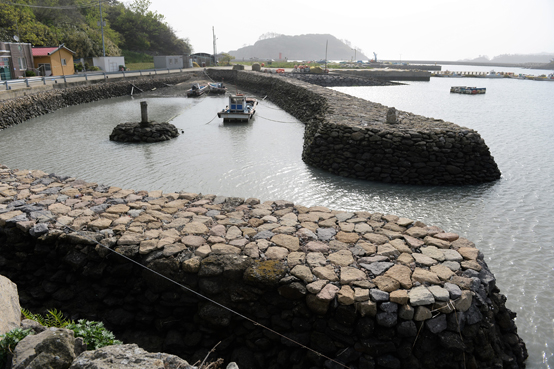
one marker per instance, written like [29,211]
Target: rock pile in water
[363,288]
[140,132]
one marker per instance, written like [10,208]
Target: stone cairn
[145,131]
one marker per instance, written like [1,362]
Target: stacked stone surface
[392,275]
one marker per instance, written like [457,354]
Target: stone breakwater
[334,80]
[350,137]
[16,111]
[366,289]
[140,132]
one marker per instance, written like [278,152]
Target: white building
[109,63]
[168,62]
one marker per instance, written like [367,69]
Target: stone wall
[350,137]
[390,75]
[365,289]
[336,80]
[18,110]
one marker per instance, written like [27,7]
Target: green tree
[143,30]
[225,59]
[21,22]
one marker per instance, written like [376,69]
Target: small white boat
[217,88]
[468,90]
[493,74]
[197,90]
[240,109]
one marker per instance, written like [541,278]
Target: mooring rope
[197,293]
[273,120]
[211,120]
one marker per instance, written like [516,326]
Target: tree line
[129,28]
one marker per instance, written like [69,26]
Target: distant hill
[516,58]
[302,47]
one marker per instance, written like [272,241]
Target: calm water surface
[509,220]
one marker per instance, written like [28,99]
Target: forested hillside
[76,23]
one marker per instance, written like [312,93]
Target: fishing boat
[240,109]
[468,90]
[217,88]
[197,90]
[543,77]
[493,74]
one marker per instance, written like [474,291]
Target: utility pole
[102,28]
[215,49]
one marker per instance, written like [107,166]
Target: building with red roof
[53,61]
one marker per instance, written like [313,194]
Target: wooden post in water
[144,113]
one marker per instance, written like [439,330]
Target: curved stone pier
[367,290]
[350,137]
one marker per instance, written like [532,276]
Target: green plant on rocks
[8,342]
[53,318]
[94,334]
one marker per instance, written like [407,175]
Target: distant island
[542,58]
[303,47]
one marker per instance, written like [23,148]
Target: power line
[197,293]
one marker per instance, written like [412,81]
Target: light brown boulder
[417,232]
[341,258]
[326,272]
[442,272]
[347,237]
[399,297]
[195,228]
[402,274]
[387,250]
[432,241]
[425,276]
[346,295]
[386,284]
[469,253]
[290,242]
[349,275]
[303,272]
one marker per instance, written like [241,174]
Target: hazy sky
[406,29]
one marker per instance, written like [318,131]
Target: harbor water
[509,220]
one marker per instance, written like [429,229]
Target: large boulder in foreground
[127,357]
[9,305]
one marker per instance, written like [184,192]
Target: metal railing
[28,81]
